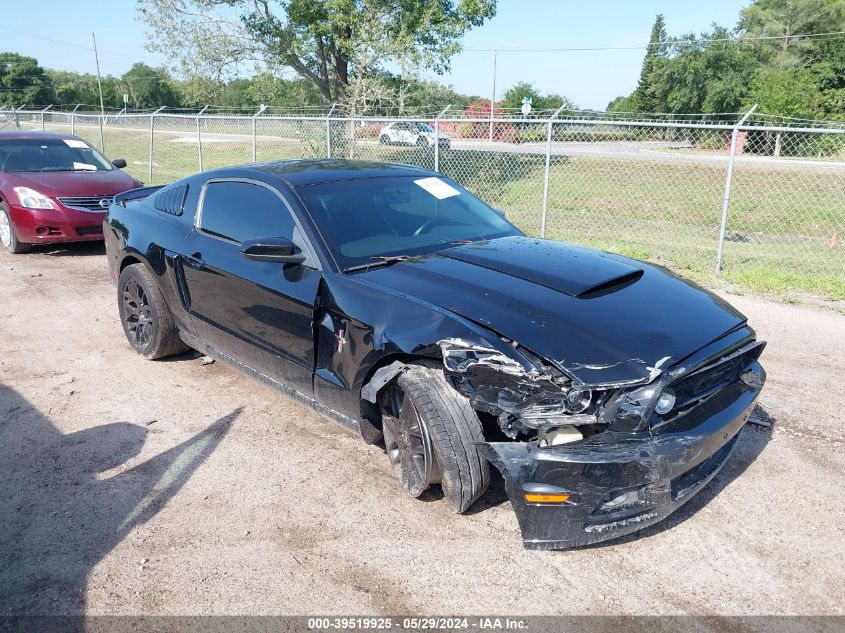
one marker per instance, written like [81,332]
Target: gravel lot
[137,487]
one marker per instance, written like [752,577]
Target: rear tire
[430,433]
[384,139]
[144,314]
[8,236]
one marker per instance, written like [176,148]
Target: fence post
[42,115]
[152,134]
[547,172]
[73,119]
[437,138]
[152,126]
[728,181]
[254,116]
[329,131]
[199,136]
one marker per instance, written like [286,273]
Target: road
[172,487]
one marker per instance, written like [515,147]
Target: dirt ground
[138,487]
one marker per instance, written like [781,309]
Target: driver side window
[240,211]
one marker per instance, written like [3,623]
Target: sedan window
[28,155]
[240,211]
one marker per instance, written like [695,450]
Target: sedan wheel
[384,139]
[8,239]
[5,230]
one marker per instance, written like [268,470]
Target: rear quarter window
[171,200]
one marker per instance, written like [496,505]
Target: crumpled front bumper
[619,484]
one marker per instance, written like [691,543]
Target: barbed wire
[429,113]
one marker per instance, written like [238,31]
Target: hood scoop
[611,285]
[574,271]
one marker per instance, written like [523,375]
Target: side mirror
[120,163]
[272,249]
[500,212]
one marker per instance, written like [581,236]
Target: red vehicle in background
[54,188]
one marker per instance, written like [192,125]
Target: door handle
[195,260]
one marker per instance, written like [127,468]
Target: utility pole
[493,98]
[100,87]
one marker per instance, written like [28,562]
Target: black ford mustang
[390,299]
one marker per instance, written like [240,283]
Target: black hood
[603,318]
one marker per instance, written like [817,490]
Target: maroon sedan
[54,188]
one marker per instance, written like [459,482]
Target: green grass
[780,222]
[778,282]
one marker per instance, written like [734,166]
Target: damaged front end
[528,398]
[583,463]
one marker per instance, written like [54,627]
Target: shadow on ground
[59,515]
[71,249]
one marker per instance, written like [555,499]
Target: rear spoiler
[135,194]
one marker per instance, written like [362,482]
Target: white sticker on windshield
[440,189]
[84,166]
[72,142]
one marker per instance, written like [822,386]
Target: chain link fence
[761,205]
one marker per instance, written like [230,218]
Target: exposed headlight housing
[32,199]
[665,402]
[577,401]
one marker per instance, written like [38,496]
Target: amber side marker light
[535,497]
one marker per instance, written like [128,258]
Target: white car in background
[412,133]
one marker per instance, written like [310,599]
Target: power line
[55,41]
[834,35]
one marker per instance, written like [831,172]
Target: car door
[258,313]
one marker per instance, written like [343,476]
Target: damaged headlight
[577,401]
[524,395]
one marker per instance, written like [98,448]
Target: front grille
[702,383]
[705,382]
[98,204]
[82,231]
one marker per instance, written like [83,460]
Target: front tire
[8,236]
[430,432]
[144,314]
[384,139]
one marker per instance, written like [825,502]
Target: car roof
[33,135]
[297,173]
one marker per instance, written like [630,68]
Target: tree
[624,103]
[710,74]
[645,99]
[513,98]
[71,87]
[148,87]
[786,91]
[329,43]
[22,81]
[791,21]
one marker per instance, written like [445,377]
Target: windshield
[19,155]
[424,127]
[365,219]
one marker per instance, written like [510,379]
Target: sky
[58,34]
